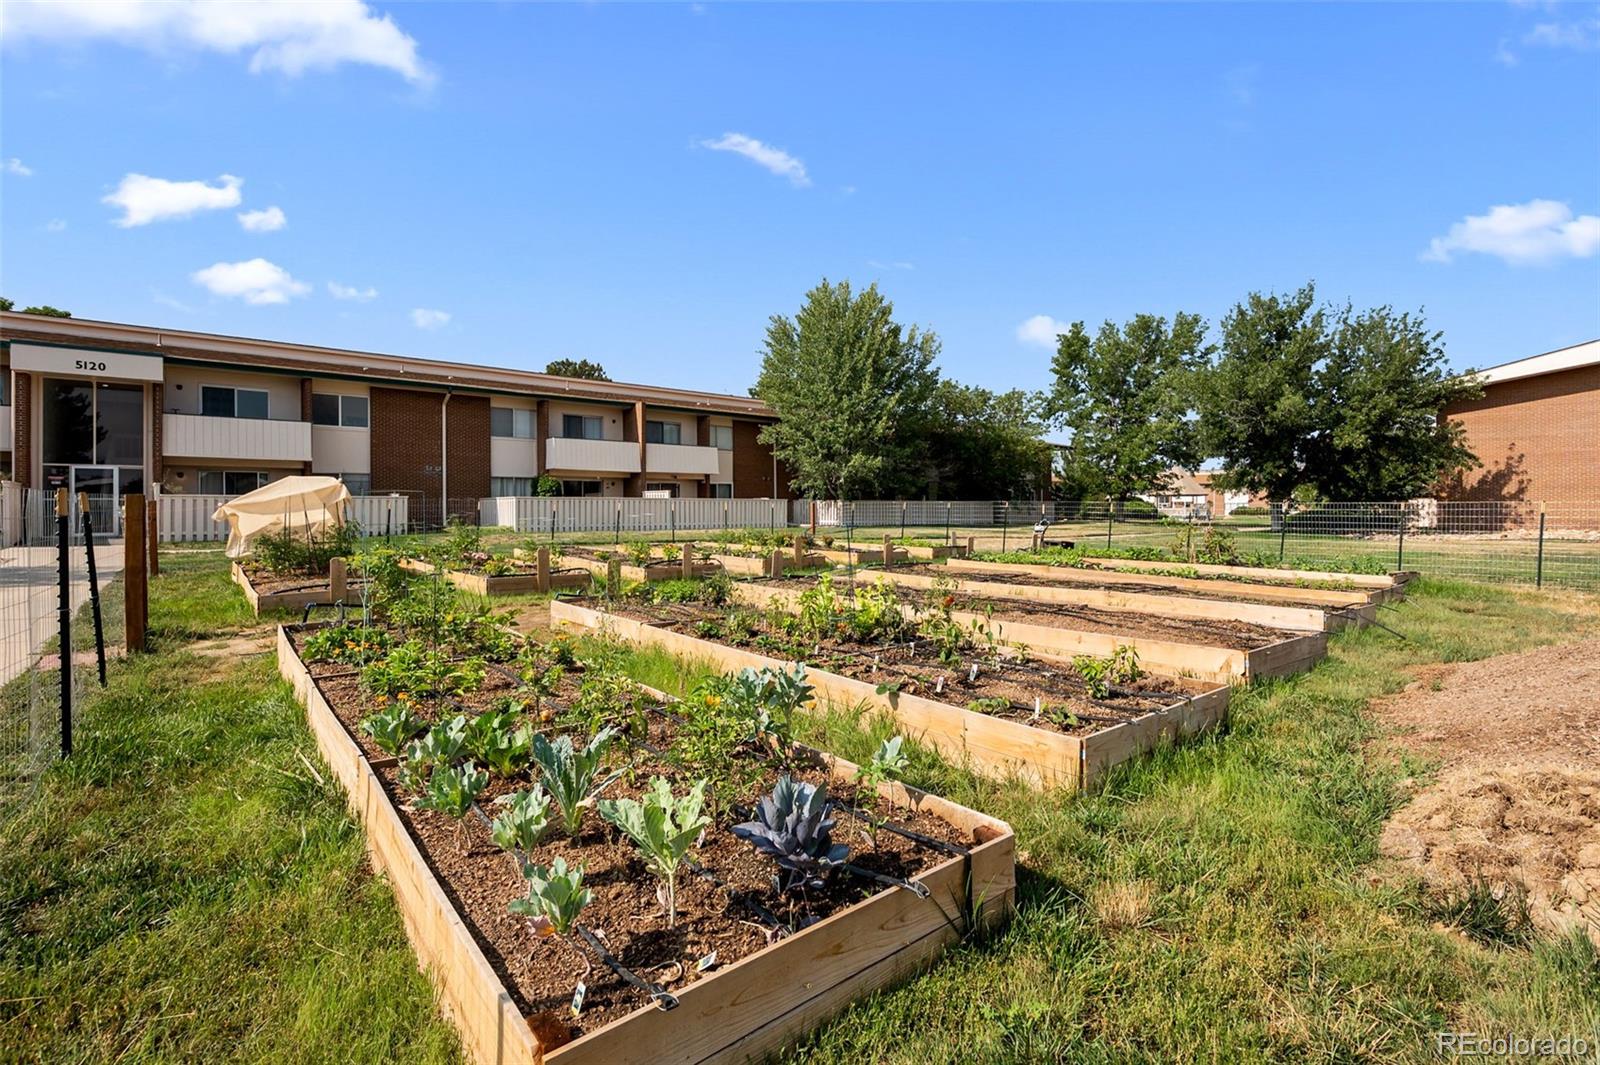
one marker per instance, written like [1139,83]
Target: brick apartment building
[113,409]
[1536,429]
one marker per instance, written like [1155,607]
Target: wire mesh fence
[1549,544]
[32,587]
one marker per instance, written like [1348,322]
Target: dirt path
[1517,797]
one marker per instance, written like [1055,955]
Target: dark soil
[1225,590]
[731,915]
[1237,635]
[267,582]
[1056,690]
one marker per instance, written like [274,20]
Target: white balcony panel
[593,456]
[510,456]
[680,458]
[5,429]
[196,436]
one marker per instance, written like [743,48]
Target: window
[663,433]
[509,421]
[219,402]
[722,491]
[511,486]
[722,437]
[230,482]
[360,484]
[583,427]
[580,488]
[658,489]
[351,412]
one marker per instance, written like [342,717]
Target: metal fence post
[902,519]
[1283,527]
[947,539]
[1400,548]
[1005,523]
[1538,568]
[1110,516]
[553,508]
[64,618]
[94,585]
[617,532]
[673,517]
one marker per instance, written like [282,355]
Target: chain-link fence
[32,587]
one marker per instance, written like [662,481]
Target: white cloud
[1582,35]
[878,264]
[55,225]
[263,221]
[351,292]
[293,36]
[254,281]
[424,318]
[1538,231]
[18,167]
[1041,330]
[146,199]
[763,155]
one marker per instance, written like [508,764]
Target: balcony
[5,428]
[680,458]
[591,456]
[199,436]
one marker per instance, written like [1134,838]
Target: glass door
[99,483]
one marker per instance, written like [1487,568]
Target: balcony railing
[201,436]
[592,456]
[679,458]
[5,428]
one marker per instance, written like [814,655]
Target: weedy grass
[186,888]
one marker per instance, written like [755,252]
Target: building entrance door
[99,483]
[93,442]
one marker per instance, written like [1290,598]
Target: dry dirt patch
[1517,799]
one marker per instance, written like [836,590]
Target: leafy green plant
[887,763]
[640,552]
[568,772]
[792,827]
[711,740]
[495,738]
[348,643]
[441,745]
[989,705]
[556,896]
[876,614]
[1100,675]
[663,827]
[393,728]
[451,790]
[524,820]
[770,697]
[671,552]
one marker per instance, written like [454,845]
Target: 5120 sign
[90,365]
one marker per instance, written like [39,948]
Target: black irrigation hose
[664,999]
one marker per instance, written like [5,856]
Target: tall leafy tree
[591,371]
[1342,403]
[1125,395]
[850,387]
[984,445]
[43,308]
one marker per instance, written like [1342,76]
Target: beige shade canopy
[309,505]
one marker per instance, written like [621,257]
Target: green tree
[850,387]
[1125,395]
[1342,403]
[44,308]
[5,304]
[590,371]
[984,445]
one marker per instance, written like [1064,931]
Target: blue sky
[553,180]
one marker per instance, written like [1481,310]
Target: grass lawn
[187,888]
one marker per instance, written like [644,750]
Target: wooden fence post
[153,536]
[775,565]
[613,578]
[687,560]
[799,549]
[135,580]
[336,579]
[542,568]
[888,550]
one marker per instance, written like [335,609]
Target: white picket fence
[187,518]
[563,514]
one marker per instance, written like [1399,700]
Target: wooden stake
[775,565]
[688,562]
[135,579]
[800,549]
[888,550]
[336,579]
[542,568]
[152,534]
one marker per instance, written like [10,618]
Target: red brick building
[1536,429]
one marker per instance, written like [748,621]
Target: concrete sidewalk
[28,603]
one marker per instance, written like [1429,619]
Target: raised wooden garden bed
[1146,581]
[1393,581]
[996,746]
[746,1010]
[1273,655]
[1015,584]
[653,571]
[504,584]
[293,592]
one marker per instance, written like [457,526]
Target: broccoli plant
[663,827]
[452,789]
[568,773]
[770,697]
[393,728]
[556,896]
[792,827]
[520,827]
[887,764]
[441,745]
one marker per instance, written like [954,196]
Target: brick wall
[1537,437]
[467,428]
[406,452]
[305,414]
[752,462]
[22,429]
[157,420]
